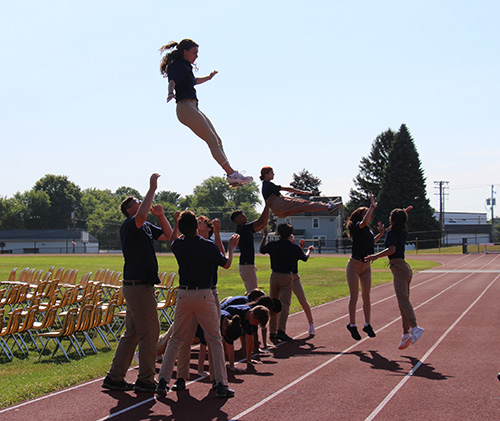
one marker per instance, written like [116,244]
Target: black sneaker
[272,336]
[142,387]
[223,391]
[180,384]
[354,332]
[282,336]
[214,384]
[369,331]
[161,387]
[112,385]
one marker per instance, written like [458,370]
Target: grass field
[26,377]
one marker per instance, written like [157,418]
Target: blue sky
[300,85]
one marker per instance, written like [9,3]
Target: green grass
[26,377]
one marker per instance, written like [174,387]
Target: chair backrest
[11,295]
[170,279]
[22,275]
[47,276]
[37,276]
[51,289]
[49,318]
[12,276]
[29,319]
[70,322]
[29,276]
[13,323]
[96,315]
[115,279]
[66,296]
[2,293]
[84,317]
[40,288]
[171,297]
[2,311]
[109,314]
[72,277]
[98,275]
[84,280]
[23,294]
[59,274]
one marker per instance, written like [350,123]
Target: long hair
[174,51]
[398,219]
[356,216]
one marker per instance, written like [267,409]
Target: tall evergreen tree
[371,172]
[306,181]
[403,185]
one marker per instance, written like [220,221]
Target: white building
[459,225]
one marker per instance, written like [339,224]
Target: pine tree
[371,172]
[403,185]
[306,181]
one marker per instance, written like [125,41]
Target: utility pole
[492,203]
[442,186]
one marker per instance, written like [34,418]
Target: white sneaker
[416,333]
[236,179]
[312,331]
[405,341]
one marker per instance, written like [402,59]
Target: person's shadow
[426,370]
[378,362]
[188,408]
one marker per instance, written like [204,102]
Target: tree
[214,198]
[11,214]
[37,208]
[306,181]
[123,192]
[371,172]
[64,199]
[403,184]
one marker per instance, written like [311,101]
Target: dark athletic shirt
[284,255]
[269,188]
[246,243]
[398,239]
[138,251]
[181,72]
[363,241]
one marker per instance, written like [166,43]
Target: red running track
[449,374]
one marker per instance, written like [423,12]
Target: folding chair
[167,282]
[10,296]
[167,306]
[47,322]
[3,345]
[107,320]
[26,325]
[66,331]
[10,329]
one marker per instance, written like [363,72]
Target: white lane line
[381,406]
[345,351]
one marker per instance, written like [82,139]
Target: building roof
[44,235]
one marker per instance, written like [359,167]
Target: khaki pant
[359,273]
[141,327]
[283,206]
[248,274]
[189,115]
[281,285]
[401,271]
[201,306]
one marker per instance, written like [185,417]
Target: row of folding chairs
[77,324]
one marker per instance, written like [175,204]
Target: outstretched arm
[145,206]
[369,214]
[175,232]
[206,78]
[157,210]
[217,239]
[233,241]
[262,221]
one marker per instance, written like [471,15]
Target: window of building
[315,223]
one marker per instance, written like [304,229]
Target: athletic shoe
[142,387]
[214,384]
[223,391]
[312,331]
[334,205]
[112,385]
[416,333]
[282,336]
[405,341]
[162,388]
[369,331]
[236,179]
[354,332]
[180,384]
[498,376]
[272,336]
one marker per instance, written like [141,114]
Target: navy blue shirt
[363,241]
[181,72]
[246,243]
[241,310]
[138,251]
[198,260]
[269,188]
[236,300]
[284,255]
[398,239]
